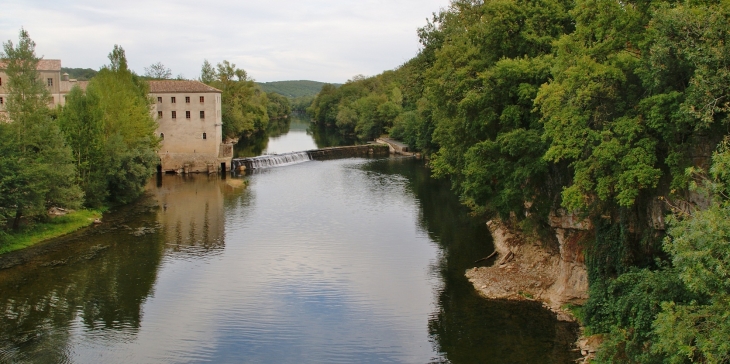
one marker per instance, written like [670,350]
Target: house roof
[167,86]
[43,65]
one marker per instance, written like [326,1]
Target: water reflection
[88,283]
[85,292]
[346,261]
[293,134]
[466,328]
[192,215]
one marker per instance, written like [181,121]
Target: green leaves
[111,134]
[35,164]
[244,107]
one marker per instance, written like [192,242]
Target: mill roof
[43,65]
[166,86]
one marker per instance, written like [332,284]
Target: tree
[207,73]
[158,71]
[243,104]
[36,165]
[698,330]
[111,133]
[279,106]
[130,145]
[82,122]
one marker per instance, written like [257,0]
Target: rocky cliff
[533,270]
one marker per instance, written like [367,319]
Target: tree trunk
[16,221]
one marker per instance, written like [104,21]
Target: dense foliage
[594,106]
[246,108]
[36,168]
[292,89]
[110,130]
[98,150]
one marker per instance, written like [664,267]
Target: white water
[279,160]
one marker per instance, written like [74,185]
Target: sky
[273,40]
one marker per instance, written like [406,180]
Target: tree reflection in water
[466,327]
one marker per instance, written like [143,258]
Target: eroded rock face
[534,272]
[562,219]
[571,283]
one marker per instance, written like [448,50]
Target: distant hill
[81,74]
[292,89]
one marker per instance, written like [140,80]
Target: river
[343,261]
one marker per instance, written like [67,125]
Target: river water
[344,261]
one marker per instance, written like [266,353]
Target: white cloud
[324,40]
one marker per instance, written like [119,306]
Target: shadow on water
[467,328]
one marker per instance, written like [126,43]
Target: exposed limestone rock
[571,284]
[532,272]
[562,219]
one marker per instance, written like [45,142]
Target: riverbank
[58,226]
[532,271]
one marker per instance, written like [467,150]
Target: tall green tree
[492,58]
[111,132]
[36,166]
[130,143]
[244,107]
[82,122]
[699,244]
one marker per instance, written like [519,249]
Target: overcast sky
[273,40]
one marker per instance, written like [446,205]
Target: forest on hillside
[81,74]
[299,93]
[292,89]
[601,108]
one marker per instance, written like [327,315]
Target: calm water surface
[345,261]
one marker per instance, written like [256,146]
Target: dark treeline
[602,108]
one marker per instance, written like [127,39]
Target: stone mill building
[189,122]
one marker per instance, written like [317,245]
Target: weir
[278,160]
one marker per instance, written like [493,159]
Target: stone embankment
[395,146]
[367,150]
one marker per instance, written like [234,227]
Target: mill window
[187,115]
[172,99]
[202,114]
[1,83]
[202,98]
[205,136]
[1,101]
[159,99]
[162,135]
[159,114]
[50,82]
[174,115]
[187,99]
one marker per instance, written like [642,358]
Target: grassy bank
[56,227]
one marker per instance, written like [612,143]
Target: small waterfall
[277,160]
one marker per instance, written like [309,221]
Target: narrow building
[189,123]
